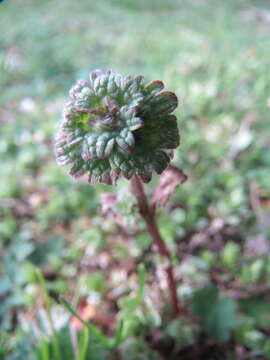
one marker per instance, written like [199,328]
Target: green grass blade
[43,350]
[48,306]
[98,334]
[83,346]
[141,281]
[118,335]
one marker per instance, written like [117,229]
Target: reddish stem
[149,219]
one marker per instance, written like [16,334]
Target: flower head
[115,125]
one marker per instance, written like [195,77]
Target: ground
[61,239]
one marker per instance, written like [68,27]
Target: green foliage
[95,237]
[97,333]
[230,255]
[136,349]
[256,309]
[94,282]
[255,271]
[254,339]
[51,247]
[182,332]
[151,5]
[134,310]
[217,314]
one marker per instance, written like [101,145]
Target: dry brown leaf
[170,179]
[108,202]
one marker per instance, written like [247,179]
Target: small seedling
[119,126]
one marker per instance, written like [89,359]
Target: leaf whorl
[115,125]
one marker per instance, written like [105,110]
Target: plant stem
[149,218]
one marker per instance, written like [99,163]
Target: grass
[215,56]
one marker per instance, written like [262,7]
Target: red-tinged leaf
[170,179]
[108,203]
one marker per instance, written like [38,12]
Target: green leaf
[230,255]
[118,335]
[216,314]
[94,281]
[258,309]
[203,300]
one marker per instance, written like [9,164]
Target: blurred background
[215,56]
